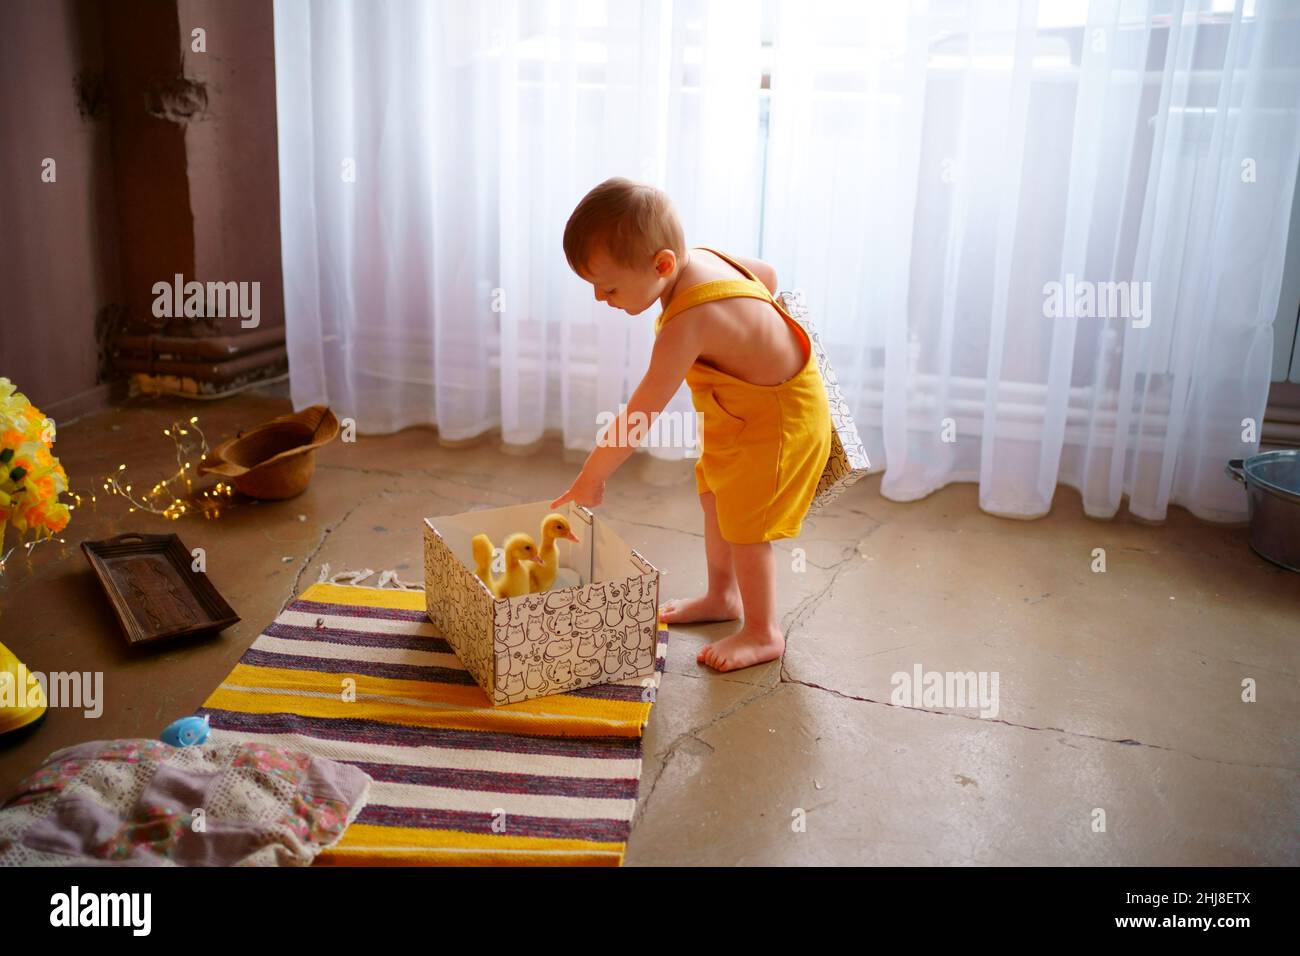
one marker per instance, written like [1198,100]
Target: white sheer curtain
[921,171]
[430,154]
[934,166]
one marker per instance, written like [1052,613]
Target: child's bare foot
[745,648]
[706,607]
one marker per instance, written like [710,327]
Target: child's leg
[759,638]
[722,600]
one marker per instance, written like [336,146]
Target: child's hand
[585,490]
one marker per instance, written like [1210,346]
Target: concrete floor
[1118,692]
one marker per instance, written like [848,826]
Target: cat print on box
[459,606]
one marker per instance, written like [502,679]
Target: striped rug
[551,781]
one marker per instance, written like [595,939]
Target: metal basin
[1272,483]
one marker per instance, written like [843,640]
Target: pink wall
[58,256]
[175,170]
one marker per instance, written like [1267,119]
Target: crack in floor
[320,544]
[388,473]
[796,618]
[804,609]
[1126,741]
[800,613]
[657,527]
[712,675]
[668,753]
[476,482]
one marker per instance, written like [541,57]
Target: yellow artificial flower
[31,478]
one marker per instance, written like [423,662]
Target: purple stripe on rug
[619,788]
[556,828]
[328,665]
[334,635]
[353,610]
[365,731]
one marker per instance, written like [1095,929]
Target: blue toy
[186,732]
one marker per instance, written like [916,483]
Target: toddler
[753,377]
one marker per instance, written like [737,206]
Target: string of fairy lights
[172,497]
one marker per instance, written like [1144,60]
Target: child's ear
[665,260]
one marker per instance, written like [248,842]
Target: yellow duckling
[554,526]
[515,582]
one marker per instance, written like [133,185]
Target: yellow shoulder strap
[749,287]
[732,262]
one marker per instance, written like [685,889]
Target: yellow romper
[765,446]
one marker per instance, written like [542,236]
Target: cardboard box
[848,459]
[601,630]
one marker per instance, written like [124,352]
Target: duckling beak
[571,536]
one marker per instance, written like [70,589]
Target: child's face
[630,288]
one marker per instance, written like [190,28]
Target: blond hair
[631,220]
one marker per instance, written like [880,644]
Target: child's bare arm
[765,273]
[675,350]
